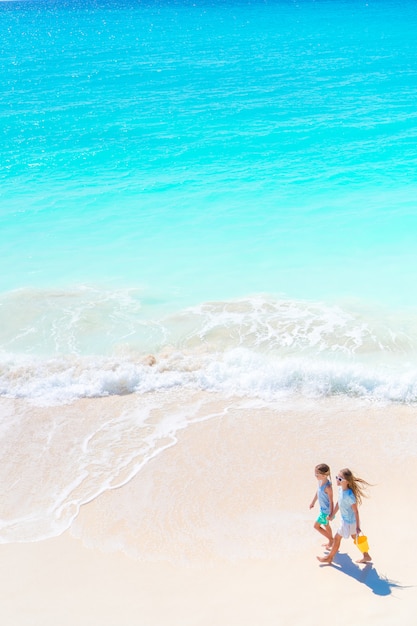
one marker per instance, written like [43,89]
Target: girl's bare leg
[366,556]
[335,547]
[329,536]
[326,532]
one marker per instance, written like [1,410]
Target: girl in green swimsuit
[324,495]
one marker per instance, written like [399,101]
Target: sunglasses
[340,479]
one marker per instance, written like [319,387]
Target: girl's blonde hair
[323,468]
[358,485]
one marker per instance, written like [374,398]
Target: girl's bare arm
[329,491]
[356,512]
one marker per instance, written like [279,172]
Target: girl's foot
[328,545]
[365,559]
[325,559]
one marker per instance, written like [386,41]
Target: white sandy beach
[217,530]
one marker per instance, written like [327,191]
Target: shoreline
[217,529]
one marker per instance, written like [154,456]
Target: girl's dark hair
[323,468]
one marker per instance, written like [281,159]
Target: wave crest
[238,372]
[257,346]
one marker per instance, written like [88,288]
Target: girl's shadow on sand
[380,585]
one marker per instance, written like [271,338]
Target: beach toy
[362,543]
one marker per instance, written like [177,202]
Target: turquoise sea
[170,168]
[228,186]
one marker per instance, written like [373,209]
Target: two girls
[351,490]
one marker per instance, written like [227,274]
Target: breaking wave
[102,343]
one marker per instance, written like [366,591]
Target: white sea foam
[255,347]
[67,458]
[237,371]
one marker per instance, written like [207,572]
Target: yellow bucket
[362,543]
